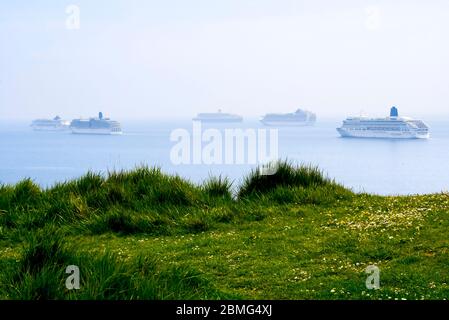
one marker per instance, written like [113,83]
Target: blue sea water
[372,165]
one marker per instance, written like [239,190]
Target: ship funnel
[100,115]
[394,112]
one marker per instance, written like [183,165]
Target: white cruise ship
[98,125]
[393,126]
[297,118]
[55,124]
[218,117]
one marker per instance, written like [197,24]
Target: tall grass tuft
[218,187]
[45,247]
[145,186]
[90,182]
[6,194]
[26,192]
[282,174]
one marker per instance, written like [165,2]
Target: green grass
[292,234]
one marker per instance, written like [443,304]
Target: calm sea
[372,165]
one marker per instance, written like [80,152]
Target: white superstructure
[55,124]
[389,127]
[297,118]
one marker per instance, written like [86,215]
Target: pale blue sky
[150,59]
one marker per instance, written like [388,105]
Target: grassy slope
[291,235]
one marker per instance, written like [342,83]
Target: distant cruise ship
[389,127]
[297,118]
[218,117]
[98,125]
[55,124]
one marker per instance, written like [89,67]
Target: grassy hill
[294,234]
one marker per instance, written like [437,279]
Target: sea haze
[372,165]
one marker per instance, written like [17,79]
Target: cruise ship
[218,117]
[55,124]
[297,118]
[98,125]
[393,126]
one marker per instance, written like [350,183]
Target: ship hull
[345,133]
[96,131]
[287,123]
[51,129]
[217,120]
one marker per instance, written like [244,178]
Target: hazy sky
[150,59]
